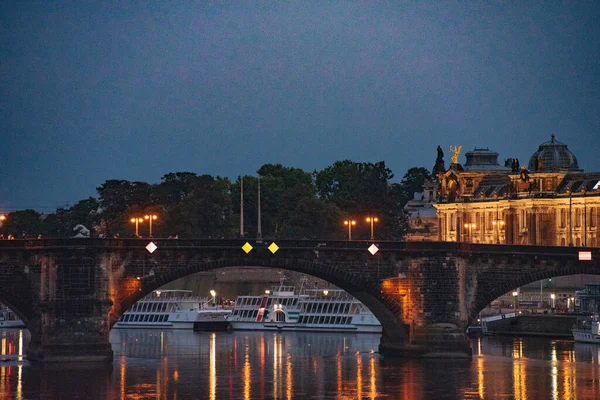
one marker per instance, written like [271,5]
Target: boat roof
[172,291]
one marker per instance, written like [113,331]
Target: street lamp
[213,294]
[372,220]
[515,295]
[349,223]
[2,217]
[150,218]
[499,224]
[137,223]
[470,226]
[553,296]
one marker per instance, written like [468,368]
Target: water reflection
[256,365]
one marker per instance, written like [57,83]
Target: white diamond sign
[373,249]
[151,247]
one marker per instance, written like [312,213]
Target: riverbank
[547,325]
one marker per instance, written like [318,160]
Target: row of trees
[294,204]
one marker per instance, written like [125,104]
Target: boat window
[280,316]
[165,318]
[254,314]
[136,318]
[269,302]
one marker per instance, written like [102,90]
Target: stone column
[437,307]
[70,322]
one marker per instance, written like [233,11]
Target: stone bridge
[70,292]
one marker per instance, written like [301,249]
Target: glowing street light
[213,294]
[349,223]
[470,226]
[2,217]
[515,296]
[325,292]
[137,223]
[372,220]
[553,297]
[150,218]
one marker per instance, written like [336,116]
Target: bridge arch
[490,290]
[385,308]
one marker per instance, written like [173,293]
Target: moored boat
[175,309]
[8,319]
[587,329]
[316,310]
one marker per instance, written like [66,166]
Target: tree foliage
[294,204]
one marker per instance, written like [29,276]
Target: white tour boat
[175,309]
[587,329]
[9,319]
[316,310]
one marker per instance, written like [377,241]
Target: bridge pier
[70,338]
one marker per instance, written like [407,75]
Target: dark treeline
[294,204]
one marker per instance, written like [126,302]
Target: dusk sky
[134,90]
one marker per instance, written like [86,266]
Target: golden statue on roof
[456,150]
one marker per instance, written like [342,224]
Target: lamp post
[372,220]
[2,217]
[470,226]
[349,223]
[213,295]
[137,223]
[552,297]
[499,224]
[150,218]
[516,296]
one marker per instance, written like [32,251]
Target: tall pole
[242,207]
[259,233]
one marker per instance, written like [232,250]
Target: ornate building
[422,216]
[551,202]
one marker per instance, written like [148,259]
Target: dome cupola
[553,156]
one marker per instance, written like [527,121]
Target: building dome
[553,156]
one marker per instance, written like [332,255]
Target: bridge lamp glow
[2,217]
[372,220]
[349,223]
[137,224]
[151,218]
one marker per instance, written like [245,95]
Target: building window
[563,217]
[593,216]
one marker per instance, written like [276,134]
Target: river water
[153,364]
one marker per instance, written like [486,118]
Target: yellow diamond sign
[273,247]
[247,247]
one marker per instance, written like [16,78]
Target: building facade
[549,202]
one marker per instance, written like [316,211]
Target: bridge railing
[321,245]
